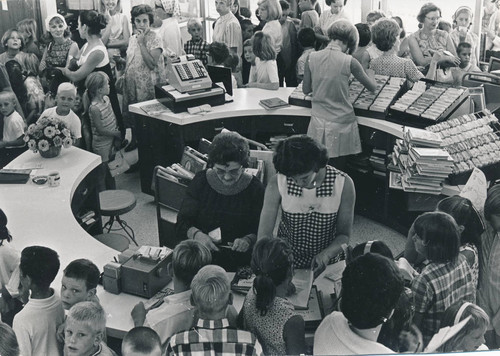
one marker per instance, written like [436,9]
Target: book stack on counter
[377,161]
[423,164]
[298,98]
[472,140]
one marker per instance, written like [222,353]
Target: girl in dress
[326,75]
[266,311]
[117,33]
[266,70]
[103,123]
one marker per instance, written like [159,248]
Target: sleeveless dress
[57,53]
[309,216]
[333,122]
[268,328]
[104,67]
[438,40]
[103,145]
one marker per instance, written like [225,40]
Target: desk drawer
[289,125]
[209,129]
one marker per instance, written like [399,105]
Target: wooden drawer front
[282,124]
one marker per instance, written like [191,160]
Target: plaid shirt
[198,49]
[437,287]
[214,337]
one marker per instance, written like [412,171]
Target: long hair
[263,46]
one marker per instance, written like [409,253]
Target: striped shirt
[214,337]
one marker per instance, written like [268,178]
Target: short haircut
[246,23]
[248,43]
[89,313]
[479,320]
[95,22]
[41,264]
[245,12]
[27,26]
[285,5]
[187,259]
[385,32]
[229,147]
[232,61]
[374,15]
[210,289]
[402,34]
[463,45]
[329,2]
[365,34]
[6,36]
[440,236]
[219,52]
[272,261]
[193,21]
[263,46]
[8,95]
[142,9]
[8,341]
[141,339]
[273,9]
[306,37]
[83,269]
[344,31]
[376,246]
[299,154]
[66,86]
[464,213]
[371,287]
[425,9]
[492,203]
[4,232]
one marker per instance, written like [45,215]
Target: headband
[460,9]
[50,18]
[460,312]
[368,247]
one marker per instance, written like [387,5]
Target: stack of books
[377,161]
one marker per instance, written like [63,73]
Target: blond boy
[196,45]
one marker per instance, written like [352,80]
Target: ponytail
[265,291]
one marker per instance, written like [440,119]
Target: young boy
[248,61]
[246,29]
[65,100]
[79,283]
[13,128]
[35,326]
[307,40]
[84,332]
[464,52]
[196,45]
[309,17]
[141,341]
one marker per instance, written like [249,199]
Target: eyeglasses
[437,18]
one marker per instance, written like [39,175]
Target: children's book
[273,103]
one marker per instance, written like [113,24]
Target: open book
[445,334]
[303,280]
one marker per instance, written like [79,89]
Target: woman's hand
[141,36]
[205,240]
[241,244]
[441,57]
[320,261]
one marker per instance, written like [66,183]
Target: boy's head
[84,330]
[306,37]
[187,259]
[79,282]
[246,29]
[141,340]
[211,292]
[194,29]
[365,35]
[65,98]
[7,103]
[306,5]
[248,51]
[374,16]
[464,52]
[39,266]
[217,53]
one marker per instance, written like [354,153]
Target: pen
[114,258]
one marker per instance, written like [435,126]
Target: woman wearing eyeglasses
[429,39]
[223,201]
[316,200]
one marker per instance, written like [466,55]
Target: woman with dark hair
[223,204]
[266,311]
[93,56]
[317,203]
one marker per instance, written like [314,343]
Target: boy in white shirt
[13,128]
[65,99]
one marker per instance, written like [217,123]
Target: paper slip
[475,189]
[153,252]
[445,334]
[215,235]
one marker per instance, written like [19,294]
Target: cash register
[189,85]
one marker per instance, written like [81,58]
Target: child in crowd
[218,53]
[117,33]
[85,330]
[462,19]
[372,50]
[246,29]
[270,12]
[289,50]
[36,325]
[266,70]
[141,341]
[307,40]
[447,277]
[266,311]
[465,54]
[34,90]
[196,46]
[309,17]
[404,47]
[444,26]
[13,43]
[65,99]
[13,128]
[232,61]
[248,62]
[471,336]
[169,32]
[365,37]
[79,283]
[27,29]
[105,132]
[8,341]
[326,75]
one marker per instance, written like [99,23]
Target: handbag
[119,164]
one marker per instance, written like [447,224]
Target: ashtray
[40,180]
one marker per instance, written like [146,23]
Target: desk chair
[115,241]
[114,203]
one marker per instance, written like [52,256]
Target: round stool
[115,241]
[114,203]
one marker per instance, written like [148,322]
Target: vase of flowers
[47,136]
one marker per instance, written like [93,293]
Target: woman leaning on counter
[224,197]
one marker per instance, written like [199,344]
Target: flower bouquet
[47,136]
